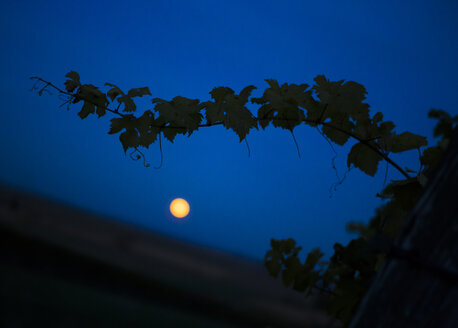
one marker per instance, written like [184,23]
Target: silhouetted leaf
[74,82]
[147,127]
[230,109]
[446,123]
[404,192]
[407,141]
[139,92]
[364,158]
[312,259]
[73,76]
[378,117]
[272,262]
[292,269]
[384,129]
[90,94]
[246,93]
[114,91]
[126,122]
[215,111]
[88,108]
[179,116]
[280,105]
[431,156]
[348,294]
[129,105]
[129,139]
[343,99]
[335,135]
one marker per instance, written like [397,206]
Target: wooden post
[418,284]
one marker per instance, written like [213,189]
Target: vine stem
[364,142]
[367,143]
[73,95]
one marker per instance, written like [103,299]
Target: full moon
[179,208]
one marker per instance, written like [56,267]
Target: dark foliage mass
[337,109]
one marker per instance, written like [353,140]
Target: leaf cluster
[352,268]
[337,107]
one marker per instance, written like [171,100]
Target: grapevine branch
[366,142]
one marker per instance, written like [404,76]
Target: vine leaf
[313,108]
[280,105]
[93,98]
[348,295]
[446,123]
[88,108]
[126,122]
[364,158]
[139,92]
[293,268]
[344,107]
[114,91]
[147,128]
[336,136]
[342,97]
[141,131]
[73,82]
[129,139]
[312,258]
[385,128]
[431,156]
[129,104]
[404,192]
[378,117]
[407,141]
[272,262]
[179,116]
[230,109]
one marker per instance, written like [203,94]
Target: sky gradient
[404,53]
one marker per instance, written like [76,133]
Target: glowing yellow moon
[179,208]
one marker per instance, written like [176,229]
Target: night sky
[404,52]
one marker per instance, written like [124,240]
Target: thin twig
[65,103]
[40,92]
[386,174]
[74,95]
[339,180]
[144,158]
[248,147]
[419,159]
[295,142]
[132,153]
[160,149]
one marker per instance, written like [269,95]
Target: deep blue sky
[404,52]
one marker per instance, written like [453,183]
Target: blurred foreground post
[418,284]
